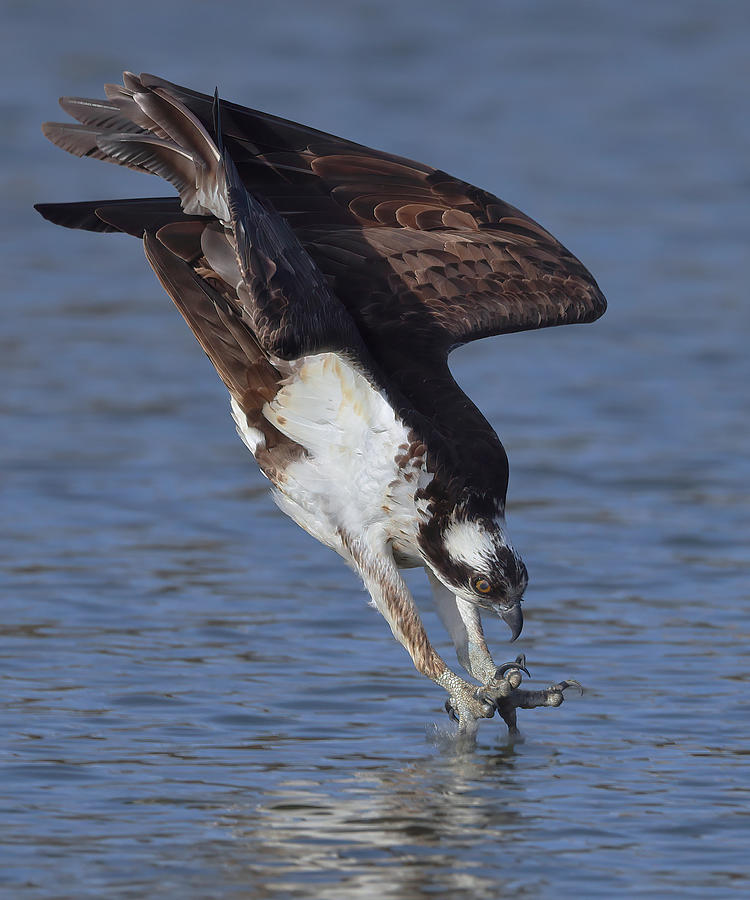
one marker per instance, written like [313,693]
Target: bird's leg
[500,684]
[505,692]
[462,622]
[503,688]
[392,598]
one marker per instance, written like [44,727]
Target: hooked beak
[513,617]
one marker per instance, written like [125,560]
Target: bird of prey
[327,282]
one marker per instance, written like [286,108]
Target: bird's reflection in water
[421,830]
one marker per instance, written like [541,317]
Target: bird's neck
[462,447]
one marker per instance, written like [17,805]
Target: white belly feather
[349,479]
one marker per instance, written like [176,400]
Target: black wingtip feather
[74,215]
[132,216]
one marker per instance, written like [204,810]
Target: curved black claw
[520,663]
[451,712]
[488,707]
[571,682]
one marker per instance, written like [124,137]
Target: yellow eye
[482,586]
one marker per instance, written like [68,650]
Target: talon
[451,711]
[488,710]
[480,696]
[553,696]
[523,699]
[520,663]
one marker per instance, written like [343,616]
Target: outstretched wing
[408,249]
[318,243]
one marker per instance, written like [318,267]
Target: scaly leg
[462,622]
[500,684]
[392,598]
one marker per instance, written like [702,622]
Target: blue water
[196,700]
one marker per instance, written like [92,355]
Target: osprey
[328,282]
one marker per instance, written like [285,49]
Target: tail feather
[233,349]
[199,304]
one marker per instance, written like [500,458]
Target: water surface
[197,701]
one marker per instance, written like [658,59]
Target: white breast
[349,479]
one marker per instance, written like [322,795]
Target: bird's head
[473,557]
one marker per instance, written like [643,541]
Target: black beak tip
[513,617]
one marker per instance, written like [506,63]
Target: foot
[506,680]
[504,692]
[466,706]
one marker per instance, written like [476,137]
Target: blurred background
[196,700]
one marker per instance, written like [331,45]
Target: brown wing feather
[403,262]
[496,271]
[435,253]
[230,345]
[449,286]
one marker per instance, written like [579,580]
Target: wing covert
[445,287]
[406,246]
